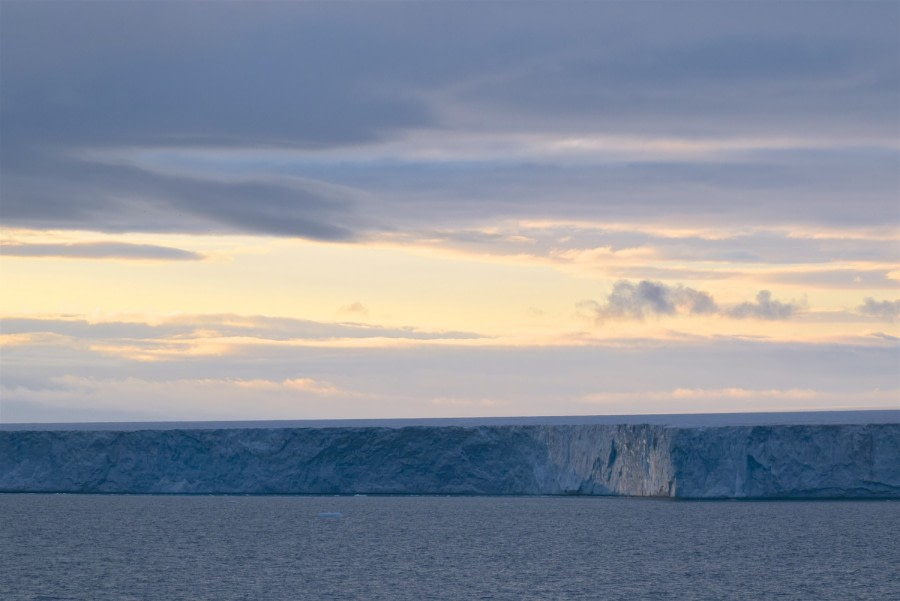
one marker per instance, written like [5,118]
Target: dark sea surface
[111,547]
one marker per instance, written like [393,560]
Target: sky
[277,210]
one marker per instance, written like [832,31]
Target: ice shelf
[795,460]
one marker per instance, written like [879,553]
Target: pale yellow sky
[521,297]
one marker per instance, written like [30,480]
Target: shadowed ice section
[820,460]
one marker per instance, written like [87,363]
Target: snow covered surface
[876,416]
[823,455]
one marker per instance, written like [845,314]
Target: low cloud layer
[187,328]
[656,299]
[100,250]
[53,380]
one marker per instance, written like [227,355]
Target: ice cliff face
[853,461]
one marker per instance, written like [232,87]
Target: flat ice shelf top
[696,420]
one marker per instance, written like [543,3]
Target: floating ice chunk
[331,515]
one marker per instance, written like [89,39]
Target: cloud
[652,251]
[299,75]
[681,394]
[842,278]
[354,308]
[656,299]
[886,310]
[121,198]
[100,250]
[180,334]
[638,301]
[765,307]
[720,113]
[887,337]
[709,400]
[759,71]
[672,273]
[763,190]
[180,398]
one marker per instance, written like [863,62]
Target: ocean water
[111,547]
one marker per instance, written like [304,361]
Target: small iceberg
[331,515]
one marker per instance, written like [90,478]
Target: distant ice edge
[791,461]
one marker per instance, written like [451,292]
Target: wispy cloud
[100,250]
[210,335]
[701,394]
[838,278]
[739,399]
[354,308]
[91,195]
[179,398]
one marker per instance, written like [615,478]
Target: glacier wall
[775,461]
